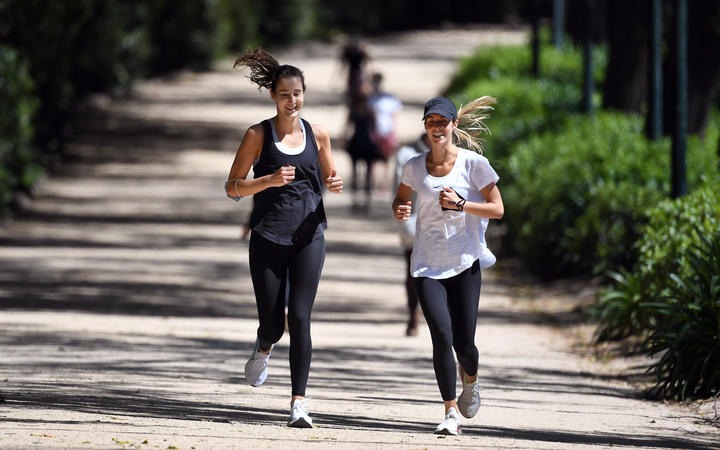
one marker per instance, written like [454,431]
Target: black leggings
[450,307]
[294,271]
[412,299]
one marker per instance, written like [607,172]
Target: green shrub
[236,25]
[581,187]
[688,339]
[703,153]
[18,156]
[671,228]
[497,63]
[620,311]
[577,196]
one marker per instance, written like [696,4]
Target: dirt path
[128,312]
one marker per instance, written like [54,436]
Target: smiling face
[288,96]
[439,128]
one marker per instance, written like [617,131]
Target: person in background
[386,109]
[362,147]
[292,161]
[355,57]
[457,194]
[407,230]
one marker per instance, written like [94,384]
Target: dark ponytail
[265,70]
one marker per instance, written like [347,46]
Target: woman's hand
[403,211]
[334,183]
[282,176]
[449,198]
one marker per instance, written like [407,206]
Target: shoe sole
[258,382]
[300,423]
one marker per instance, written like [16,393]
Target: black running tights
[412,300]
[450,308]
[274,269]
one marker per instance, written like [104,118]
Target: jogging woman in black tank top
[291,161]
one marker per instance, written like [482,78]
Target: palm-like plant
[689,338]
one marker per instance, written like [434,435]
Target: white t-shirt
[448,242]
[385,106]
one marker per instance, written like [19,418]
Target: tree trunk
[628,34]
[703,52]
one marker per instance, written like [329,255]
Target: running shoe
[469,400]
[451,424]
[299,417]
[256,367]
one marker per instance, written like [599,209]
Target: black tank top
[292,214]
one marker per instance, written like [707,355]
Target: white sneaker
[469,400]
[451,424]
[256,367]
[299,417]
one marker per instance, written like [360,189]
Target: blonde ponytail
[471,125]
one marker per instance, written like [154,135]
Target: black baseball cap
[441,105]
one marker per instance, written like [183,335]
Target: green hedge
[579,188]
[18,155]
[687,340]
[671,298]
[577,196]
[671,228]
[501,62]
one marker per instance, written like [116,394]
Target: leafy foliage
[18,167]
[672,228]
[621,311]
[577,194]
[503,62]
[689,338]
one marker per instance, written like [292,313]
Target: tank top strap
[310,138]
[267,138]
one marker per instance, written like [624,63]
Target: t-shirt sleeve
[408,179]
[482,173]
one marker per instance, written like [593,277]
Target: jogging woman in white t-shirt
[456,195]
